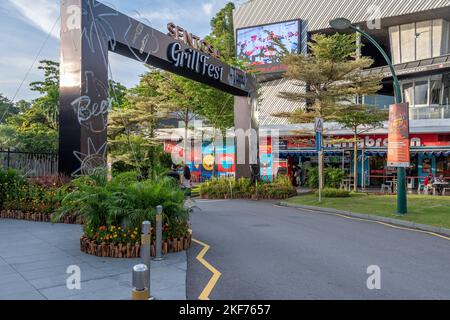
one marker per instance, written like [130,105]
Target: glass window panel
[438,33]
[408,42]
[421,93]
[408,93]
[435,91]
[446,101]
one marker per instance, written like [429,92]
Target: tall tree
[35,127]
[133,124]
[7,109]
[117,92]
[182,101]
[333,81]
[47,106]
[222,33]
[331,75]
[360,119]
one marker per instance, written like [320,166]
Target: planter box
[128,250]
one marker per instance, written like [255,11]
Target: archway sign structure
[89,31]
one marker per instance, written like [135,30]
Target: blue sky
[25,24]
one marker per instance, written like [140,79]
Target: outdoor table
[441,184]
[347,183]
[392,185]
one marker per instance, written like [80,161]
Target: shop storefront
[430,153]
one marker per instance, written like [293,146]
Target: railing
[429,112]
[30,164]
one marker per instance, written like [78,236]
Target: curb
[396,222]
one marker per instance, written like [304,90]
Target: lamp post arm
[398,91]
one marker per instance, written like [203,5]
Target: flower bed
[37,217]
[34,199]
[101,205]
[130,250]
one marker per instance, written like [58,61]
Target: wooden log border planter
[37,217]
[129,250]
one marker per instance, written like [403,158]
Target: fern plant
[124,201]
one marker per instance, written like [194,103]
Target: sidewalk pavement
[34,258]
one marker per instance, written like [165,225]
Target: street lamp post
[342,24]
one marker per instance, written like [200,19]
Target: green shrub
[220,188]
[124,201]
[39,195]
[223,188]
[312,177]
[11,182]
[334,193]
[333,177]
[242,188]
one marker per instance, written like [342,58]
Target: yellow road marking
[216,274]
[379,222]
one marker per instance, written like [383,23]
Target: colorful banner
[399,144]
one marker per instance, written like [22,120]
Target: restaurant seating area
[389,186]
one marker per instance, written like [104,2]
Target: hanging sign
[319,133]
[399,144]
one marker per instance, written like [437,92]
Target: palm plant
[136,203]
[89,199]
[123,201]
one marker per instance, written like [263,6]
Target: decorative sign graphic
[257,46]
[94,160]
[192,40]
[89,31]
[399,144]
[194,61]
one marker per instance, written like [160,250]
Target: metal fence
[30,164]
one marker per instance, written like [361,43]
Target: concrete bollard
[140,290]
[145,249]
[158,244]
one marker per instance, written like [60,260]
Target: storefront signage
[192,40]
[366,142]
[279,145]
[399,144]
[194,60]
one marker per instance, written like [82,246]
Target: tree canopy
[332,77]
[33,127]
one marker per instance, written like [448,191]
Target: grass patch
[430,210]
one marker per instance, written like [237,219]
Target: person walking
[174,174]
[186,181]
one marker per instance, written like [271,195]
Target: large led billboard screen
[257,48]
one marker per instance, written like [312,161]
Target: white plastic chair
[385,188]
[420,188]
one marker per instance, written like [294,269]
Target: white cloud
[208,8]
[39,13]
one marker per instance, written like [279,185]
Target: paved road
[269,252]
